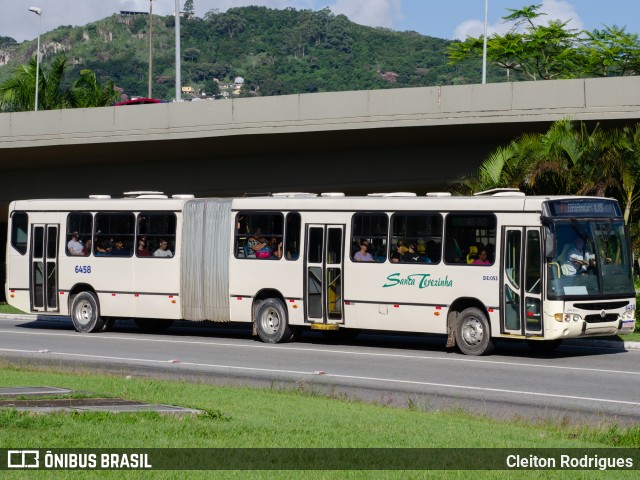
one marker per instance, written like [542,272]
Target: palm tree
[566,159]
[17,93]
[629,168]
[86,92]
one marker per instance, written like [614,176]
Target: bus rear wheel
[272,324]
[85,313]
[473,334]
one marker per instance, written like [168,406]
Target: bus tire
[272,324]
[85,313]
[544,346]
[473,334]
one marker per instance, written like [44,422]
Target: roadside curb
[580,342]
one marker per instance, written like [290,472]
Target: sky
[439,18]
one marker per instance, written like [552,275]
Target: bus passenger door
[323,270]
[44,268]
[521,301]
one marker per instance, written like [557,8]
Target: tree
[17,93]
[570,159]
[540,52]
[612,52]
[86,92]
[189,8]
[553,50]
[191,54]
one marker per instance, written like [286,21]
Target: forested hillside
[276,51]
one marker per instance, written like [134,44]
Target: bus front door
[521,302]
[323,270]
[44,268]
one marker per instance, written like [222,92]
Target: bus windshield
[592,259]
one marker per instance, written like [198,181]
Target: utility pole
[484,48]
[37,11]
[178,79]
[149,95]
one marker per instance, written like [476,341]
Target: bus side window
[422,231]
[259,235]
[369,237]
[19,229]
[466,235]
[292,236]
[79,231]
[156,235]
[114,233]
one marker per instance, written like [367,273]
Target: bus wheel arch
[85,312]
[469,328]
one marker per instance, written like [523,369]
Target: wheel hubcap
[271,320]
[84,313]
[472,331]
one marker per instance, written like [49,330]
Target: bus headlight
[567,317]
[628,315]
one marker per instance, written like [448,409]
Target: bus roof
[504,203]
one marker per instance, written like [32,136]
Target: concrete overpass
[415,139]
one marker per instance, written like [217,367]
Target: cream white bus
[499,265]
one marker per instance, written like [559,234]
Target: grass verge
[6,308]
[248,418]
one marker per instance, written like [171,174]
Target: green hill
[277,52]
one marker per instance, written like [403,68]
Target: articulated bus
[499,265]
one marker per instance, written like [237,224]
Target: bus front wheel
[272,324]
[85,313]
[473,334]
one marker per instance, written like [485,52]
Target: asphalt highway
[574,383]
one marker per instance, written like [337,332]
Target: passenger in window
[74,246]
[87,248]
[163,250]
[362,255]
[274,246]
[278,251]
[396,257]
[482,258]
[412,255]
[258,245]
[101,249]
[472,255]
[119,249]
[142,250]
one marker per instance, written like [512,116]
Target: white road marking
[106,336]
[350,377]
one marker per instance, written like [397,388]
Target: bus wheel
[85,313]
[544,346]
[271,322]
[473,335]
[153,325]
